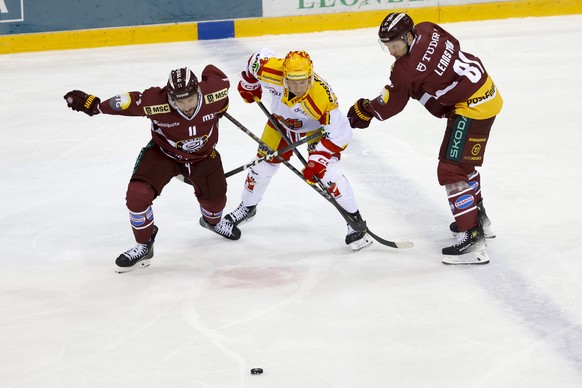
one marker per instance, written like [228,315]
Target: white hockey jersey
[318,109]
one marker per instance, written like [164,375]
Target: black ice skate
[484,222]
[357,240]
[137,257]
[225,228]
[241,214]
[469,250]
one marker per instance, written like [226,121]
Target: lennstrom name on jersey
[445,59]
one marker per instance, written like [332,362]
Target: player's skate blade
[242,214]
[471,258]
[224,228]
[358,240]
[142,264]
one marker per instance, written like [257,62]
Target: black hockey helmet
[182,83]
[395,26]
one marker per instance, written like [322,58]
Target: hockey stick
[272,154]
[262,144]
[359,226]
[324,193]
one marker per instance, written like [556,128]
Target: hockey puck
[257,371]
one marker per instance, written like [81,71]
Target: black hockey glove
[360,114]
[82,102]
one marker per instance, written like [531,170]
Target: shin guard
[463,204]
[142,225]
[475,183]
[139,198]
[339,187]
[257,181]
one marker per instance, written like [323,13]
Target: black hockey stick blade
[361,226]
[393,244]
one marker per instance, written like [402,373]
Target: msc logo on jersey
[156,109]
[216,96]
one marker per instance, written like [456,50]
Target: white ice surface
[290,297]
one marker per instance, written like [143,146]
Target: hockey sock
[212,218]
[475,183]
[142,225]
[463,204]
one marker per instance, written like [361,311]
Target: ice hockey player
[431,68]
[184,118]
[303,103]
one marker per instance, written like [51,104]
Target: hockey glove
[82,102]
[224,109]
[316,167]
[249,88]
[360,114]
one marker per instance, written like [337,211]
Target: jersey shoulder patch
[156,109]
[320,99]
[271,71]
[216,96]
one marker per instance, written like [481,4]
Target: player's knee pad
[475,183]
[338,186]
[450,173]
[333,172]
[457,187]
[463,204]
[140,196]
[264,171]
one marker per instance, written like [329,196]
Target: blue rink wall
[39,25]
[38,16]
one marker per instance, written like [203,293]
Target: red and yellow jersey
[317,110]
[441,76]
[186,139]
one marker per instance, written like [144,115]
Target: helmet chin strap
[405,39]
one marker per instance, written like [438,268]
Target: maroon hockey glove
[249,88]
[360,114]
[82,102]
[316,167]
[436,109]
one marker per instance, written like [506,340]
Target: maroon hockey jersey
[441,76]
[186,139]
